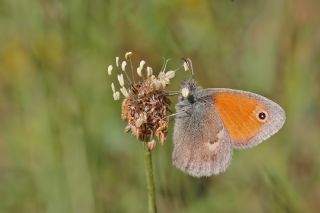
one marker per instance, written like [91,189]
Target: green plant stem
[152,207]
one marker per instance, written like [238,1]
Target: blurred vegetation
[62,146]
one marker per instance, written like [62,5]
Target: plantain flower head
[145,103]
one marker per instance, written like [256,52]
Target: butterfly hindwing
[202,146]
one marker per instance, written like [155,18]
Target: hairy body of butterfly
[211,122]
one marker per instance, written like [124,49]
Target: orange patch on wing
[239,115]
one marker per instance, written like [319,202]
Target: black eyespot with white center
[262,116]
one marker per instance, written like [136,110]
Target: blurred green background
[62,146]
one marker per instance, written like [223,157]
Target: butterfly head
[188,91]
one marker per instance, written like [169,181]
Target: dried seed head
[145,110]
[145,106]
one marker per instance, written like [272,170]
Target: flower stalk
[152,206]
[145,108]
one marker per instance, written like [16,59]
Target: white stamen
[163,79]
[123,65]
[161,75]
[170,74]
[113,88]
[185,66]
[110,69]
[116,96]
[157,84]
[139,71]
[149,71]
[117,61]
[127,55]
[120,79]
[124,92]
[164,83]
[142,63]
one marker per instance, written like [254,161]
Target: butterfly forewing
[249,118]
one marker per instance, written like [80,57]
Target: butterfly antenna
[189,65]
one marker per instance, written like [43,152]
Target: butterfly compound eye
[262,116]
[191,99]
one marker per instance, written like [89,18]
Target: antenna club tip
[188,65]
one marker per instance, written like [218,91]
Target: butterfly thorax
[192,101]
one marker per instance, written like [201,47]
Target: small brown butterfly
[210,123]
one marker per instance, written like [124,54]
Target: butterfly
[211,122]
